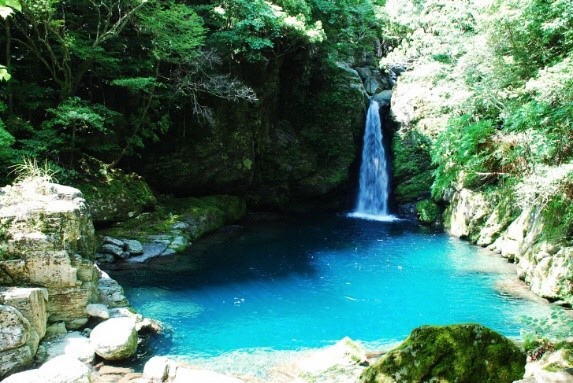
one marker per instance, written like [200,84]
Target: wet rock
[133,247]
[110,293]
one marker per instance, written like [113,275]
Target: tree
[69,37]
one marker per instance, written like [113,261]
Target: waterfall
[372,200]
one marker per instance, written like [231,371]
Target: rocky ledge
[49,284]
[531,229]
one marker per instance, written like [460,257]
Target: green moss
[412,166]
[113,195]
[195,216]
[468,353]
[428,212]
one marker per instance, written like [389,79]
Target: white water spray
[373,189]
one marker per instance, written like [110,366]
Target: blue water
[294,283]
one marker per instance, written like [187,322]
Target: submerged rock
[468,353]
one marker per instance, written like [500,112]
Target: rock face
[23,320]
[47,241]
[531,232]
[459,353]
[50,243]
[113,195]
[298,143]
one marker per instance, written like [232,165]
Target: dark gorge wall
[297,144]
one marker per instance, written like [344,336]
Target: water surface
[296,283]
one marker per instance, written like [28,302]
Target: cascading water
[373,189]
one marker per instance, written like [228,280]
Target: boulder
[468,353]
[157,368]
[115,339]
[63,369]
[98,310]
[15,337]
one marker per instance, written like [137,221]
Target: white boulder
[63,369]
[157,368]
[115,339]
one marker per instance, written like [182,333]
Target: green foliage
[463,153]
[176,30]
[250,29]
[428,212]
[558,215]
[411,166]
[74,121]
[30,170]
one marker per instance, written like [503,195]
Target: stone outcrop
[527,232]
[459,353]
[112,194]
[49,242]
[170,229]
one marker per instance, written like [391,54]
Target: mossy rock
[112,194]
[190,217]
[412,166]
[468,353]
[428,212]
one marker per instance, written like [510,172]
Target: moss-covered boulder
[412,166]
[428,212]
[468,353]
[175,223]
[112,194]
